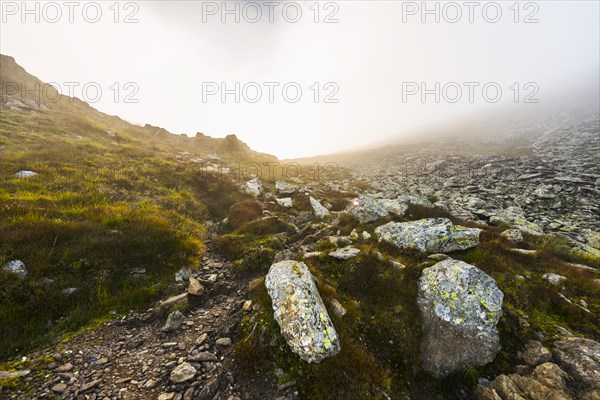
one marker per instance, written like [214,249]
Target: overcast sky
[179,52]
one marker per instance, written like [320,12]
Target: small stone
[64,368]
[90,385]
[247,305]
[254,187]
[225,341]
[171,302]
[16,267]
[345,253]
[285,187]
[195,288]
[174,321]
[183,274]
[59,388]
[182,373]
[101,361]
[25,174]
[150,383]
[166,396]
[203,357]
[9,375]
[486,393]
[580,358]
[338,308]
[201,339]
[553,278]
[69,291]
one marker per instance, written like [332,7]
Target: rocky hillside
[322,290]
[95,211]
[421,272]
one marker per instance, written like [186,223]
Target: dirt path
[131,358]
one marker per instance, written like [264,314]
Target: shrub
[244,212]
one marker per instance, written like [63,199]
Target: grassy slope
[100,206]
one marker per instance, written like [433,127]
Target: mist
[357,67]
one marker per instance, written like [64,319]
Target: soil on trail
[131,358]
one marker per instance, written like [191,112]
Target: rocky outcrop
[300,312]
[432,235]
[460,306]
[576,371]
[580,357]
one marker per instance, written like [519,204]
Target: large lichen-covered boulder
[431,235]
[300,312]
[460,306]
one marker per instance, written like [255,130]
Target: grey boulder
[367,208]
[431,235]
[300,312]
[460,306]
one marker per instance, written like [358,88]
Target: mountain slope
[109,199]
